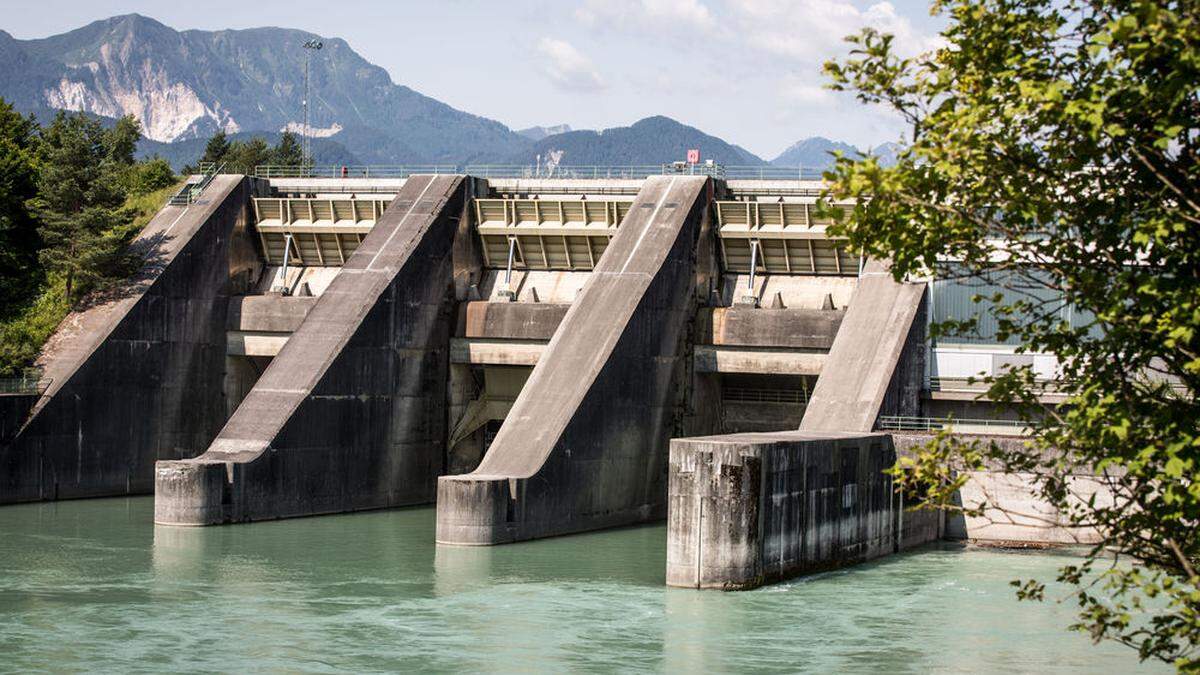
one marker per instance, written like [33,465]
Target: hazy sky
[748,71]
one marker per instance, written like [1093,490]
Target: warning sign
[693,156]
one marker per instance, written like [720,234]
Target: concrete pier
[351,414]
[138,377]
[584,446]
[749,509]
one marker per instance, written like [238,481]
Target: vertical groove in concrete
[351,413]
[138,378]
[866,354]
[584,446]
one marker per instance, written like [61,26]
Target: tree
[287,152]
[150,175]
[243,157]
[1054,147]
[79,202]
[121,140]
[19,239]
[217,149]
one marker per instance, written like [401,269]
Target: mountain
[654,140]
[538,133]
[816,153]
[184,85]
[187,84]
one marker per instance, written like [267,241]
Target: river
[93,585]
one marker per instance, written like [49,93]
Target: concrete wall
[748,509]
[139,378]
[804,329]
[14,409]
[584,446]
[351,413]
[1016,514]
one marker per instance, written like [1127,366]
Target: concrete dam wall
[351,413]
[524,351]
[748,509]
[584,446]
[138,377]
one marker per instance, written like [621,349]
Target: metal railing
[902,423]
[30,383]
[631,171]
[772,173]
[529,171]
[351,171]
[977,384]
[751,395]
[190,192]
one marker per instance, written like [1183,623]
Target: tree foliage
[1054,142]
[80,201]
[244,156]
[19,241]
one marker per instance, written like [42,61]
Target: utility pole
[305,145]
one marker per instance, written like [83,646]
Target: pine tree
[80,197]
[217,149]
[288,152]
[19,239]
[121,140]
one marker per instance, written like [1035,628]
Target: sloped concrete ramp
[875,364]
[351,414]
[138,377]
[585,445]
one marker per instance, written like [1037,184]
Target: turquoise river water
[94,586]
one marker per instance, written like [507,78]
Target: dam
[537,355]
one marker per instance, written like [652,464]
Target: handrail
[190,192]
[907,423]
[30,383]
[629,171]
[351,171]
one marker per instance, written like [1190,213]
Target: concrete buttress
[585,444]
[138,377]
[351,414]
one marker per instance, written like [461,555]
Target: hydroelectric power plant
[538,355]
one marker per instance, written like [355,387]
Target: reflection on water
[92,585]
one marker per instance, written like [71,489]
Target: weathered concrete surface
[874,364]
[748,509]
[808,329]
[1015,513]
[510,320]
[584,446]
[139,377]
[268,313]
[351,413]
[14,409]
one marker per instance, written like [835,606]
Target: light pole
[305,149]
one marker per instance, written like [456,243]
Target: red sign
[693,156]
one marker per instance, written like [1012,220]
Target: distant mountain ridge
[816,152]
[538,133]
[654,140]
[185,85]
